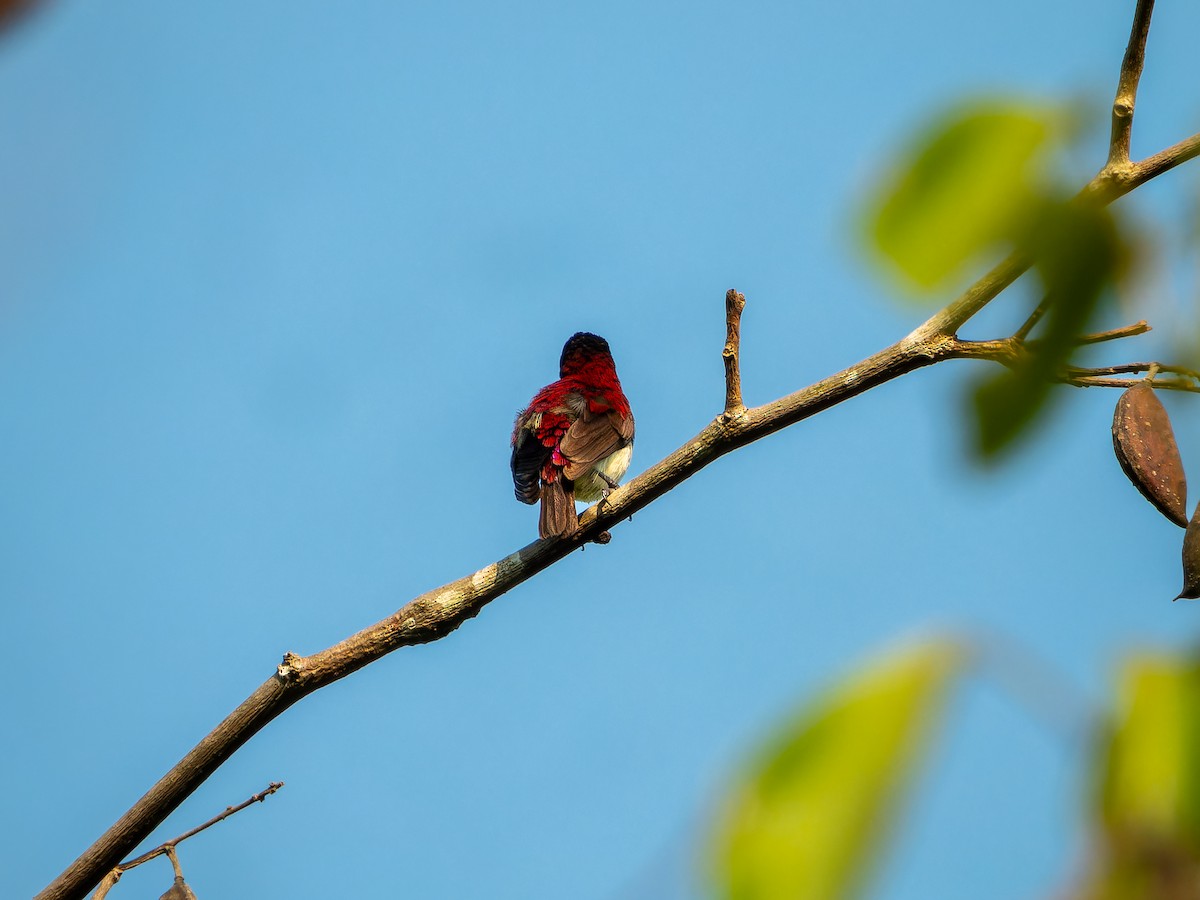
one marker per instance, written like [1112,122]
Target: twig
[1114,334]
[1022,333]
[734,304]
[1127,85]
[1133,368]
[1034,318]
[1006,351]
[106,884]
[1012,351]
[168,847]
[1081,376]
[174,858]
[1099,337]
[1164,160]
[1167,384]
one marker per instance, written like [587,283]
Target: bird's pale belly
[591,487]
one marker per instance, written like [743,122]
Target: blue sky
[274,280]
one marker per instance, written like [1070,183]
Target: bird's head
[581,349]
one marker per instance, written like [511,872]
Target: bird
[575,438]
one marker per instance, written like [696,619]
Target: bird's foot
[612,486]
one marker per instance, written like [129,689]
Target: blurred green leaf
[1148,802]
[1150,780]
[1004,403]
[1078,252]
[810,813]
[982,177]
[967,184]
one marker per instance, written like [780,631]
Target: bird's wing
[594,437]
[528,457]
[535,436]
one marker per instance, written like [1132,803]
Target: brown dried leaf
[178,891]
[12,11]
[1147,451]
[1191,559]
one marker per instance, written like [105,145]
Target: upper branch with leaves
[438,612]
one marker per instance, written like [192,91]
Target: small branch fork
[1117,178]
[167,848]
[439,612]
[1014,350]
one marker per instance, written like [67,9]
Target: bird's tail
[558,517]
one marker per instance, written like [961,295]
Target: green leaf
[1005,404]
[967,184]
[810,813]
[1078,252]
[1150,779]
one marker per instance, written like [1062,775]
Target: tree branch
[1163,161]
[1127,85]
[1109,184]
[734,304]
[1167,384]
[1012,351]
[439,612]
[1034,318]
[1093,376]
[168,847]
[1115,334]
